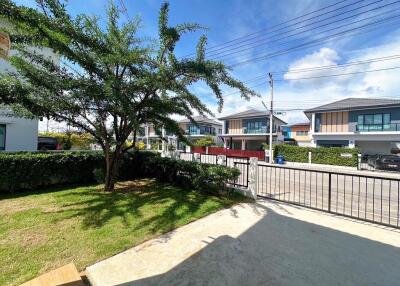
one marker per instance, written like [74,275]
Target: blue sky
[228,20]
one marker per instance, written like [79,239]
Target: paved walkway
[266,243]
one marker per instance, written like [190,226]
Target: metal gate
[241,163]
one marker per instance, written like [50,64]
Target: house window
[302,133]
[255,126]
[373,122]
[193,130]
[2,137]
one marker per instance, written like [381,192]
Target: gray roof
[355,104]
[201,119]
[299,124]
[249,114]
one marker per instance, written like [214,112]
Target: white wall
[21,133]
[374,147]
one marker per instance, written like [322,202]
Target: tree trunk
[112,165]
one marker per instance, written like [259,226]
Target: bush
[205,141]
[320,155]
[202,177]
[28,171]
[69,140]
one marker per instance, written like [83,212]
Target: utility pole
[271,115]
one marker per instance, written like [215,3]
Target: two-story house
[249,130]
[205,127]
[16,133]
[298,134]
[371,124]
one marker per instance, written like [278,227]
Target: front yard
[42,231]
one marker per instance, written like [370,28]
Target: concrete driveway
[266,243]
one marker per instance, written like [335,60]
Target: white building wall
[21,133]
[374,147]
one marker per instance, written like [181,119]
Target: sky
[257,29]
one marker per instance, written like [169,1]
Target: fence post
[252,173]
[309,157]
[206,150]
[221,160]
[329,192]
[196,157]
[359,161]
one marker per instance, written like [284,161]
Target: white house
[371,124]
[16,134]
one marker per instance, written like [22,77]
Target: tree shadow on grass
[159,207]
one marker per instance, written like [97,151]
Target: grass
[42,231]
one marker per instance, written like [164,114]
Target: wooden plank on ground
[67,275]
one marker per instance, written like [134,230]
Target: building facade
[249,130]
[18,134]
[371,124]
[297,134]
[204,127]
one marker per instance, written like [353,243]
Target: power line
[277,25]
[319,68]
[342,74]
[361,62]
[233,51]
[313,42]
[317,77]
[124,9]
[263,39]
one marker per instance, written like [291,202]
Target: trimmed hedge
[320,155]
[30,171]
[202,177]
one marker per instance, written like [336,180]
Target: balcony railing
[378,127]
[262,130]
[199,132]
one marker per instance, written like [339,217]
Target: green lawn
[42,231]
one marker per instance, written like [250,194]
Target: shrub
[205,141]
[202,177]
[320,155]
[69,140]
[28,171]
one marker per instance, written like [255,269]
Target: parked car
[385,162]
[48,143]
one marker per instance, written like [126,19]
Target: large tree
[109,80]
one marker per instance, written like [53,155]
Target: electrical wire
[314,42]
[240,53]
[277,25]
[263,39]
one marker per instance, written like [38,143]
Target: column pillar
[243,144]
[253,178]
[221,160]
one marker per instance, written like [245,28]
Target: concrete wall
[21,133]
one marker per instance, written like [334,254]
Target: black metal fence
[369,198]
